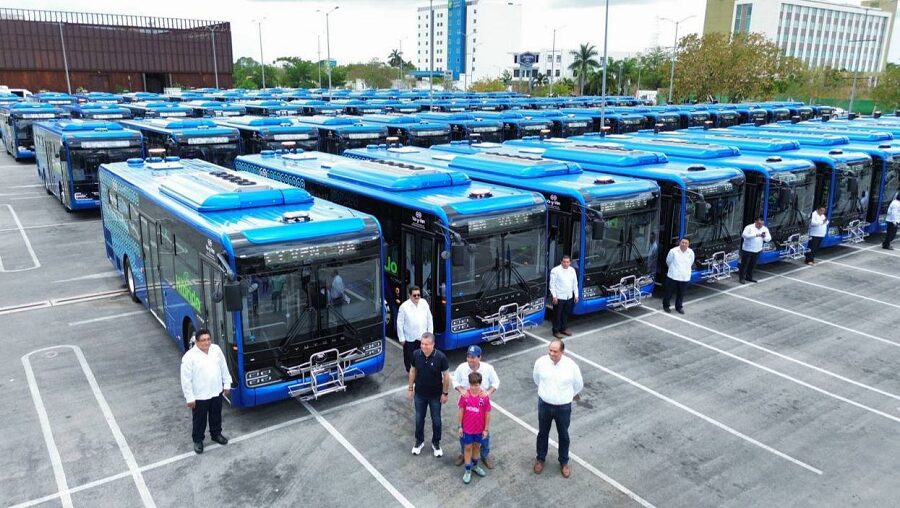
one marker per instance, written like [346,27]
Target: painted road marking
[829,288]
[106,318]
[35,261]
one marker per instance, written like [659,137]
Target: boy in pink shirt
[474,421]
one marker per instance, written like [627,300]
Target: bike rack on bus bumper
[508,324]
[331,363]
[855,231]
[718,267]
[627,293]
[794,247]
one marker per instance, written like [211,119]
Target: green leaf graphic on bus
[184,287]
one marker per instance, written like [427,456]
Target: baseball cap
[473,351]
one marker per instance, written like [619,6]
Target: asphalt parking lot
[782,393]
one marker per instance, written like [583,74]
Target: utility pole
[674,50]
[212,33]
[605,39]
[431,57]
[552,60]
[328,44]
[262,61]
[62,41]
[319,57]
[858,58]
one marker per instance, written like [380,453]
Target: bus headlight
[832,231]
[261,377]
[590,292]
[372,348]
[461,324]
[537,304]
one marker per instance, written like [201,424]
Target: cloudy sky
[366,29]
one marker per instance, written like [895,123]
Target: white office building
[820,33]
[474,43]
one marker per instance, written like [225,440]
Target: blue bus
[396,106]
[464,126]
[260,133]
[412,131]
[69,154]
[98,111]
[9,98]
[564,124]
[99,98]
[724,117]
[16,122]
[337,134]
[159,109]
[271,108]
[613,220]
[356,107]
[477,250]
[257,263]
[752,114]
[660,119]
[314,107]
[816,128]
[780,190]
[516,124]
[207,108]
[189,138]
[843,178]
[54,98]
[702,203]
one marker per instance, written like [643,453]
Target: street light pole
[605,38]
[212,33]
[858,58]
[319,57]
[262,61]
[431,56]
[400,52]
[62,41]
[328,45]
[674,50]
[552,60]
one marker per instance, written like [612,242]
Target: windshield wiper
[521,280]
[295,329]
[339,314]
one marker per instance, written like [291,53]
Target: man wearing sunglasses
[413,319]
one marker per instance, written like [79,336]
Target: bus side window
[409,260]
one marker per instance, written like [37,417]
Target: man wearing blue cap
[489,384]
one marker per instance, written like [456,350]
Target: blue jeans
[547,414]
[485,446]
[433,404]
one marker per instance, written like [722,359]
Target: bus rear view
[189,139]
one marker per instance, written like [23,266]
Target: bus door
[421,267]
[215,317]
[560,236]
[150,245]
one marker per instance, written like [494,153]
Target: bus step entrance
[718,267]
[855,231]
[508,325]
[324,363]
[627,293]
[794,247]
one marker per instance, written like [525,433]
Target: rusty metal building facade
[67,51]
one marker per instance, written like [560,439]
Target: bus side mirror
[598,228]
[234,300]
[458,255]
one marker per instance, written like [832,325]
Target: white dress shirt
[893,212]
[558,383]
[489,377]
[413,320]
[204,375]
[337,288]
[818,225]
[680,263]
[752,241]
[563,282]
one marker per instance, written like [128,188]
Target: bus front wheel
[129,281]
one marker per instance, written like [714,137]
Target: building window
[557,73]
[515,73]
[742,18]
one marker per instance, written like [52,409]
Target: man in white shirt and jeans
[680,261]
[559,381]
[818,227]
[754,236]
[564,292]
[204,380]
[893,220]
[413,319]
[489,384]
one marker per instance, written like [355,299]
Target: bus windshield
[626,235]
[891,184]
[791,196]
[851,193]
[86,162]
[292,303]
[502,256]
[222,154]
[24,132]
[714,213]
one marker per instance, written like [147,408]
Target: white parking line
[583,463]
[829,288]
[692,411]
[35,262]
[876,272]
[811,318]
[107,414]
[773,371]
[876,251]
[106,318]
[358,456]
[58,224]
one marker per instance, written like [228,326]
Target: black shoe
[753,280]
[680,311]
[219,438]
[742,281]
[667,309]
[198,447]
[888,247]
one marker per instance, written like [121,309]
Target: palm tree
[395,58]
[583,63]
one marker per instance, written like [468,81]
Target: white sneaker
[418,448]
[437,451]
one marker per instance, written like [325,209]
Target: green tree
[297,72]
[246,73]
[887,92]
[374,74]
[395,58]
[488,85]
[583,63]
[506,77]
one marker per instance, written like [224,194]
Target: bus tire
[189,330]
[129,280]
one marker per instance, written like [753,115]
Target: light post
[262,61]
[328,44]
[603,98]
[553,56]
[431,56]
[858,58]
[319,57]
[62,41]
[674,50]
[212,33]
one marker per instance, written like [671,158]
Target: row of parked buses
[296,249]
